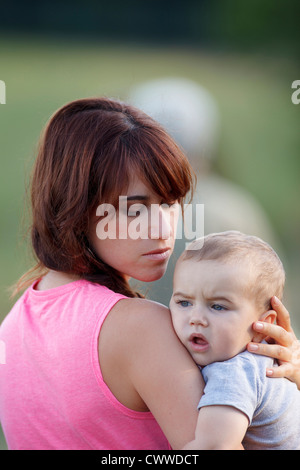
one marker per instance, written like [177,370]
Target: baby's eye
[184,303]
[218,307]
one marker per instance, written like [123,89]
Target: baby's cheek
[177,323]
[227,345]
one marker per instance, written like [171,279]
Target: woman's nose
[162,222]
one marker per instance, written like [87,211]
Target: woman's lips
[158,255]
[198,342]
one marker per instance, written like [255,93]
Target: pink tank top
[52,394]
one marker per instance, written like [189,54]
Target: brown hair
[86,154]
[265,267]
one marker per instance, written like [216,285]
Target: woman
[90,364]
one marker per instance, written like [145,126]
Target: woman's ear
[267,317]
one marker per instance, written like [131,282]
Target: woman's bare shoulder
[138,326]
[144,328]
[142,312]
[141,305]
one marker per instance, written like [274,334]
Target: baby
[222,284]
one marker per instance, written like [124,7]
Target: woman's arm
[146,367]
[287,347]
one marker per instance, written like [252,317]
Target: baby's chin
[221,358]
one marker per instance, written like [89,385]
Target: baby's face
[211,312]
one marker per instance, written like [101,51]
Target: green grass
[3,445]
[260,140]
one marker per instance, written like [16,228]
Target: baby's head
[222,284]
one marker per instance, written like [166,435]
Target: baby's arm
[219,428]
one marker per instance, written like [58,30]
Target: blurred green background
[244,53]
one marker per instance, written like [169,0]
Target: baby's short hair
[232,246]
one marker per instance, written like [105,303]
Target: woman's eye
[169,205]
[136,209]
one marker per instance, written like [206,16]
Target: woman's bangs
[118,177]
[152,156]
[166,169]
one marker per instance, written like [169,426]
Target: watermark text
[2,92]
[296,94]
[156,221]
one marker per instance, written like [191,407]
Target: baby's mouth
[198,342]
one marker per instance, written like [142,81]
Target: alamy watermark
[2,92]
[155,221]
[296,94]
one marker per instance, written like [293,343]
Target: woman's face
[138,238]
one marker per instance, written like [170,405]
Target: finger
[271,350]
[278,333]
[285,370]
[283,316]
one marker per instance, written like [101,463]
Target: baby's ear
[268,317]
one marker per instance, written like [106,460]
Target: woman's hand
[286,348]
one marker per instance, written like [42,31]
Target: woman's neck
[55,279]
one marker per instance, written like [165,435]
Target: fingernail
[252,347]
[269,372]
[276,300]
[259,325]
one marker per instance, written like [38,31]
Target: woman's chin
[155,275]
